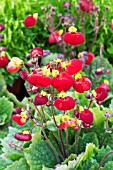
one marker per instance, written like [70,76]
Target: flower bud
[23,74]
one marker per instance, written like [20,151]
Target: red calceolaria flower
[41,99]
[63,125]
[86,5]
[64,102]
[90,58]
[73,37]
[39,79]
[62,82]
[82,83]
[23,74]
[68,122]
[20,117]
[23,136]
[105,85]
[86,116]
[3,59]
[55,37]
[100,93]
[73,66]
[14,65]
[36,52]
[31,20]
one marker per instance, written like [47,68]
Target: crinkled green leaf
[11,153]
[108,166]
[102,152]
[74,164]
[21,164]
[90,164]
[40,154]
[4,163]
[90,151]
[6,109]
[90,137]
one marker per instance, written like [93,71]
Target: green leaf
[82,99]
[4,163]
[102,152]
[98,115]
[51,125]
[11,153]
[71,157]
[108,166]
[110,49]
[87,138]
[19,165]
[96,64]
[48,58]
[6,109]
[40,154]
[2,85]
[90,164]
[90,151]
[111,105]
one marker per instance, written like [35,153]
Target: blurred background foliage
[19,39]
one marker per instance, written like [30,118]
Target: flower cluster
[56,84]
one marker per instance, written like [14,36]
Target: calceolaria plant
[64,110]
[53,105]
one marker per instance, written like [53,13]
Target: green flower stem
[51,145]
[101,163]
[13,98]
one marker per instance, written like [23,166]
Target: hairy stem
[59,147]
[51,145]
[101,163]
[62,143]
[67,144]
[76,139]
[95,38]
